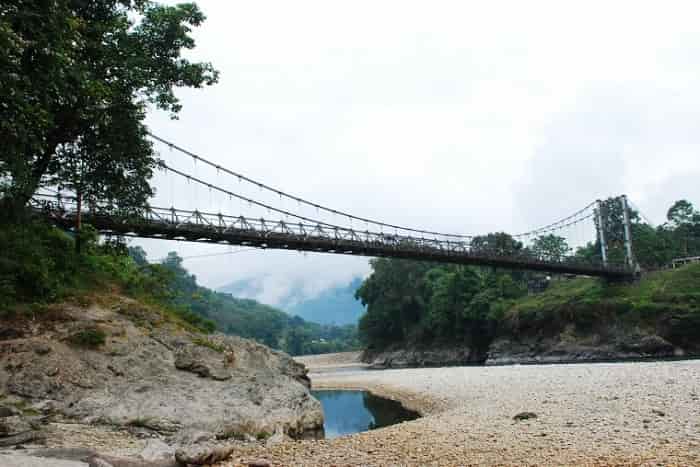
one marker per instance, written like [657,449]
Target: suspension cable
[248,200]
[298,199]
[639,211]
[553,225]
[196,157]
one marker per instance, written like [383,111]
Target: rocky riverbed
[579,415]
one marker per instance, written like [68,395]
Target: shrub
[36,262]
[89,337]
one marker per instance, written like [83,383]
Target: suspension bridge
[295,228]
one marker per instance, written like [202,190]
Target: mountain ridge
[335,305]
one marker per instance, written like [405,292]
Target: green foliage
[426,303]
[92,337]
[395,295]
[551,247]
[667,301]
[653,247]
[37,263]
[77,78]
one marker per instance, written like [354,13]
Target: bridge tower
[627,229]
[601,232]
[602,221]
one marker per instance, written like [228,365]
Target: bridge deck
[194,226]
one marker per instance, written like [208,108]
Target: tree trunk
[78,222]
[13,204]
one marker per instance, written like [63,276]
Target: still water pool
[348,412]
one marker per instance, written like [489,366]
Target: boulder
[204,453]
[651,345]
[156,451]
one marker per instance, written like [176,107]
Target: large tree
[551,247]
[684,220]
[77,78]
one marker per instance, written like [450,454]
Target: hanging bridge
[294,228]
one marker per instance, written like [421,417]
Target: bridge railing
[261,232]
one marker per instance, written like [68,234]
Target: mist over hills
[335,305]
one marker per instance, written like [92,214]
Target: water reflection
[348,412]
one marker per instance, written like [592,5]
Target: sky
[463,117]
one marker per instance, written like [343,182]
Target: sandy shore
[587,414]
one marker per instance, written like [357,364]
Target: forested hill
[335,305]
[414,304]
[248,318]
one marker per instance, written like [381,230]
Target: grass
[588,302]
[204,342]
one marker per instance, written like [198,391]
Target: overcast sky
[465,117]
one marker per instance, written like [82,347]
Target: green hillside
[663,302]
[39,265]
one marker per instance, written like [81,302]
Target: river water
[347,412]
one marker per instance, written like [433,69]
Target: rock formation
[129,365]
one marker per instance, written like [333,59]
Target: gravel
[587,414]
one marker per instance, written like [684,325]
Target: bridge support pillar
[600,227]
[629,259]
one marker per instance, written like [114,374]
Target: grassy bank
[666,303]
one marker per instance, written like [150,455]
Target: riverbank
[582,320]
[586,414]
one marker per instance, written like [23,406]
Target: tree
[139,256]
[499,243]
[453,289]
[681,213]
[685,221]
[78,77]
[550,247]
[395,295]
